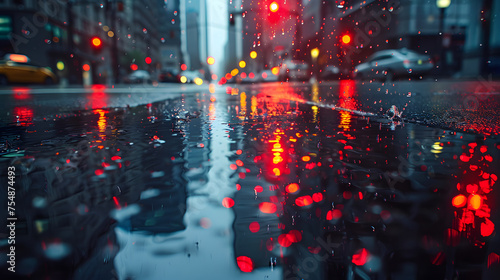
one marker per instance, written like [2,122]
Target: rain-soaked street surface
[278,181]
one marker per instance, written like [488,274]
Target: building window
[5,27]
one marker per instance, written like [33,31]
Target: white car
[138,77]
[388,64]
[294,70]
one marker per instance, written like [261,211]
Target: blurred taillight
[406,63]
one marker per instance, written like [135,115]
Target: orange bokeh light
[274,7]
[475,202]
[459,201]
[267,207]
[346,39]
[96,42]
[293,187]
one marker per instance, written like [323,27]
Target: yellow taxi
[17,69]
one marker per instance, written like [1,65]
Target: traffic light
[274,12]
[231,19]
[96,43]
[274,7]
[148,60]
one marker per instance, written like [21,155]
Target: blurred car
[138,77]
[388,64]
[190,76]
[330,72]
[294,70]
[167,76]
[267,76]
[17,69]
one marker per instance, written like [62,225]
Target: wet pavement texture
[275,181]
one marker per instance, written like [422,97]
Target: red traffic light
[134,67]
[274,7]
[148,60]
[96,42]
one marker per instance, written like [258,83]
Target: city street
[296,180]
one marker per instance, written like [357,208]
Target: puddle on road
[254,185]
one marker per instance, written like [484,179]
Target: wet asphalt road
[272,181]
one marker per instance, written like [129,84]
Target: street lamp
[442,5]
[314,53]
[314,56]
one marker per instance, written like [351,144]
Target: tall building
[129,31]
[193,27]
[170,32]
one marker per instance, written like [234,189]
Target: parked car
[330,72]
[294,70]
[167,76]
[388,64]
[138,77]
[17,69]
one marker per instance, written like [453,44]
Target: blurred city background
[111,39]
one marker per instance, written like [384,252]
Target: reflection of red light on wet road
[284,241]
[23,115]
[267,207]
[117,204]
[21,93]
[293,187]
[304,200]
[360,257]
[294,236]
[98,98]
[254,227]
[245,263]
[459,200]
[475,202]
[346,94]
[228,202]
[334,214]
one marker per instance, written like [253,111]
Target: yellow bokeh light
[183,79]
[315,53]
[210,60]
[111,33]
[60,65]
[198,81]
[253,54]
[234,72]
[275,70]
[242,64]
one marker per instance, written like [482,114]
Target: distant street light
[442,5]
[274,7]
[314,53]
[314,56]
